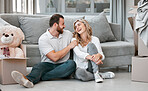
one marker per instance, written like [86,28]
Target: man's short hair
[55,19]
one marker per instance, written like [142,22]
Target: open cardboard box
[7,65]
[140,48]
[140,60]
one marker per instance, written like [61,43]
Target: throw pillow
[69,22]
[33,27]
[101,28]
[3,22]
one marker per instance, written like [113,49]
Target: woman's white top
[80,53]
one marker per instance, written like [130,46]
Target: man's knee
[71,63]
[40,65]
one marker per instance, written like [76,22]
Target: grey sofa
[117,53]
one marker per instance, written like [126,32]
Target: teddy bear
[10,39]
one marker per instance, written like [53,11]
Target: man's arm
[55,56]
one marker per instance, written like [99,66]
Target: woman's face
[80,27]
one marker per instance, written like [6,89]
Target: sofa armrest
[116,30]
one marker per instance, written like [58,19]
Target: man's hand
[55,56]
[73,44]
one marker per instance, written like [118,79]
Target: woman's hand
[97,58]
[89,57]
[99,62]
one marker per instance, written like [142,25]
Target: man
[54,46]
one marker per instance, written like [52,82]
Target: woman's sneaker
[98,78]
[21,79]
[107,75]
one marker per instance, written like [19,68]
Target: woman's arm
[79,53]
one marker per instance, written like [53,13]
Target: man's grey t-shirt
[48,43]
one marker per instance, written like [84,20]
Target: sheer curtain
[6,6]
[118,14]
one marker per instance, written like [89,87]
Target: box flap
[134,10]
[130,19]
[12,58]
[132,23]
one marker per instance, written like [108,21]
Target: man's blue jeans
[46,71]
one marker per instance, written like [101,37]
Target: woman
[88,54]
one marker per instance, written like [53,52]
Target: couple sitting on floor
[55,45]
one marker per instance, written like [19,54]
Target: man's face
[61,26]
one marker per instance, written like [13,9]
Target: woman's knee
[91,45]
[92,49]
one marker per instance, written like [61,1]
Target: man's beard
[60,30]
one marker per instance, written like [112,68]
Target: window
[102,5]
[61,6]
[73,6]
[79,6]
[54,6]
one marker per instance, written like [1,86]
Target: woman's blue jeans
[46,71]
[92,66]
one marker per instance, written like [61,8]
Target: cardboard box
[140,60]
[139,69]
[7,65]
[140,48]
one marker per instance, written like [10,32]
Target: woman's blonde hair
[88,30]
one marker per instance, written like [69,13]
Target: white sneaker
[98,78]
[21,79]
[107,75]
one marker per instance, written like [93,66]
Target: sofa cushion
[117,48]
[101,28]
[33,27]
[69,22]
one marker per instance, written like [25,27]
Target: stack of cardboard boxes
[140,60]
